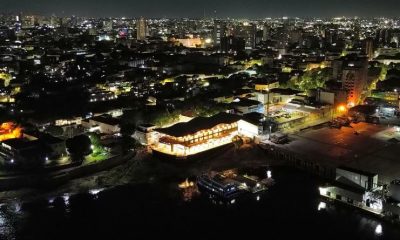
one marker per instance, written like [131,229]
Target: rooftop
[244,102]
[198,124]
[50,139]
[369,151]
[353,170]
[20,143]
[254,117]
[285,91]
[106,120]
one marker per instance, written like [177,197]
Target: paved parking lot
[373,149]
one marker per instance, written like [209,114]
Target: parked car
[279,138]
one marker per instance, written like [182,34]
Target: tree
[79,147]
[96,146]
[55,130]
[237,141]
[208,109]
[312,79]
[6,77]
[127,129]
[383,73]
[163,117]
[128,143]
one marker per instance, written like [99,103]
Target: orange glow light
[10,130]
[342,108]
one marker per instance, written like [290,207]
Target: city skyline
[206,8]
[127,118]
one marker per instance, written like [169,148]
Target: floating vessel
[229,184]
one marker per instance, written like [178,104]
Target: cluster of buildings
[267,75]
[38,146]
[227,80]
[28,150]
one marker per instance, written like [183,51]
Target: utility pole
[270,126]
[268,103]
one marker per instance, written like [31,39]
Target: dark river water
[291,209]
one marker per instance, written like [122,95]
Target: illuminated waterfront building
[202,134]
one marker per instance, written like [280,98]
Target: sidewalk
[306,125]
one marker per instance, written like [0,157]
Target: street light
[268,102]
[270,131]
[342,108]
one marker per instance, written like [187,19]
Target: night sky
[213,8]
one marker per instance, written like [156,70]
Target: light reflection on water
[368,225]
[17,220]
[10,215]
[321,206]
[378,230]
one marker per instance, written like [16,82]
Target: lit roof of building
[20,144]
[106,120]
[244,102]
[285,91]
[198,124]
[253,117]
[357,171]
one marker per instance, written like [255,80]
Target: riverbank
[145,186]
[144,168]
[22,186]
[148,209]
